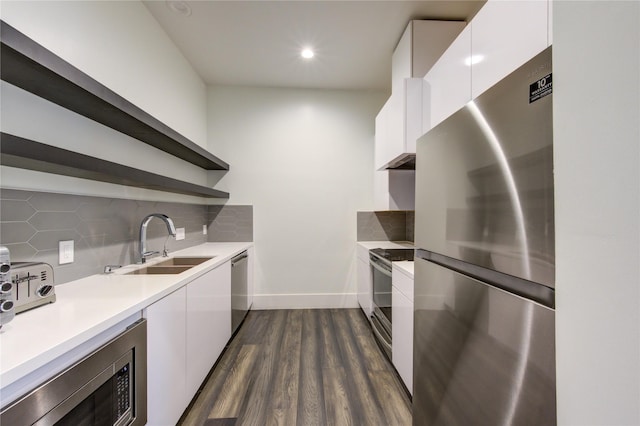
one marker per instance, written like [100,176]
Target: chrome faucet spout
[143,233]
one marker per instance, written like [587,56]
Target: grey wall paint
[385,226]
[105,230]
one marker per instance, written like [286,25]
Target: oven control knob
[6,287]
[44,290]
[6,305]
[5,267]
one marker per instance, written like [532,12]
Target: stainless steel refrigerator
[484,331]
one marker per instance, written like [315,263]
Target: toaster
[32,285]
[7,311]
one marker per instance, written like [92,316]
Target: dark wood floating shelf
[28,154]
[28,65]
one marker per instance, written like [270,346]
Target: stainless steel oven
[381,282]
[381,316]
[107,388]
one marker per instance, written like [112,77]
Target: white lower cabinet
[208,323]
[186,333]
[364,286]
[402,327]
[166,359]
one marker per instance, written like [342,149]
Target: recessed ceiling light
[307,53]
[179,7]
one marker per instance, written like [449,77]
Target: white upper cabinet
[419,48]
[449,80]
[505,35]
[406,114]
[550,24]
[400,122]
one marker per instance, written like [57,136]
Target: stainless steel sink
[172,266]
[184,261]
[160,270]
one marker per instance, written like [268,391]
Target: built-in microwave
[106,388]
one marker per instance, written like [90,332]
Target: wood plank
[337,399]
[254,407]
[220,422]
[232,392]
[284,396]
[311,367]
[331,357]
[255,327]
[311,399]
[359,323]
[363,399]
[394,401]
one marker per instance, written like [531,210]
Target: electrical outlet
[65,252]
[179,233]
[204,229]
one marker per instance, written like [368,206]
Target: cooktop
[393,255]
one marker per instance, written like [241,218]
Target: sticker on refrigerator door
[540,88]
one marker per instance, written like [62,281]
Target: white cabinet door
[382,144]
[550,24]
[400,122]
[505,35]
[401,60]
[402,325]
[402,331]
[166,359]
[208,323]
[420,46]
[449,80]
[250,275]
[364,286]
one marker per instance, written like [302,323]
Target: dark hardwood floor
[302,367]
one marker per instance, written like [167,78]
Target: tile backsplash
[396,225]
[106,230]
[230,223]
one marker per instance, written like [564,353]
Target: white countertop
[87,307]
[405,266]
[385,244]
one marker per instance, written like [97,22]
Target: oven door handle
[380,268]
[381,338]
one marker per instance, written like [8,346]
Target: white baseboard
[305,301]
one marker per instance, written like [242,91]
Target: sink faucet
[143,234]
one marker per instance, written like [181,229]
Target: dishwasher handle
[239,258]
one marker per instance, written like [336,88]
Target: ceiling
[258,43]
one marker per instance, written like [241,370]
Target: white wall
[122,46]
[303,158]
[596,61]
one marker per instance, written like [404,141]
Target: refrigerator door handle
[528,289]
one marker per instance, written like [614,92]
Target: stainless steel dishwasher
[239,290]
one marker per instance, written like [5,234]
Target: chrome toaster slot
[33,285]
